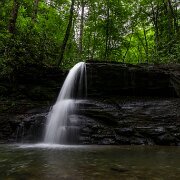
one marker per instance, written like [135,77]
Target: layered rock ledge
[126,104]
[127,120]
[111,79]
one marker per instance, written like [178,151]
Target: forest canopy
[64,32]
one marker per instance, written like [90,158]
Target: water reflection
[88,162]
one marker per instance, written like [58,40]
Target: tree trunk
[129,45]
[34,15]
[146,46]
[173,16]
[81,27]
[177,17]
[89,44]
[107,32]
[13,18]
[155,15]
[139,54]
[169,19]
[67,34]
[94,33]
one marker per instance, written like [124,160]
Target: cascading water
[59,128]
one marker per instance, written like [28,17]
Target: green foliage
[134,31]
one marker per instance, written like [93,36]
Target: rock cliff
[126,104]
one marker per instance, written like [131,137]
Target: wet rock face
[27,127]
[131,121]
[35,82]
[175,81]
[121,108]
[108,79]
[31,128]
[120,120]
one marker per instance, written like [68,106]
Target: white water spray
[59,128]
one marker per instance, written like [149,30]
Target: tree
[107,31]
[13,18]
[81,27]
[68,31]
[64,32]
[35,11]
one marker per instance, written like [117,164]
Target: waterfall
[61,127]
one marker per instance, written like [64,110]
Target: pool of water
[43,161]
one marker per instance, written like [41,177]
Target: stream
[44,161]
